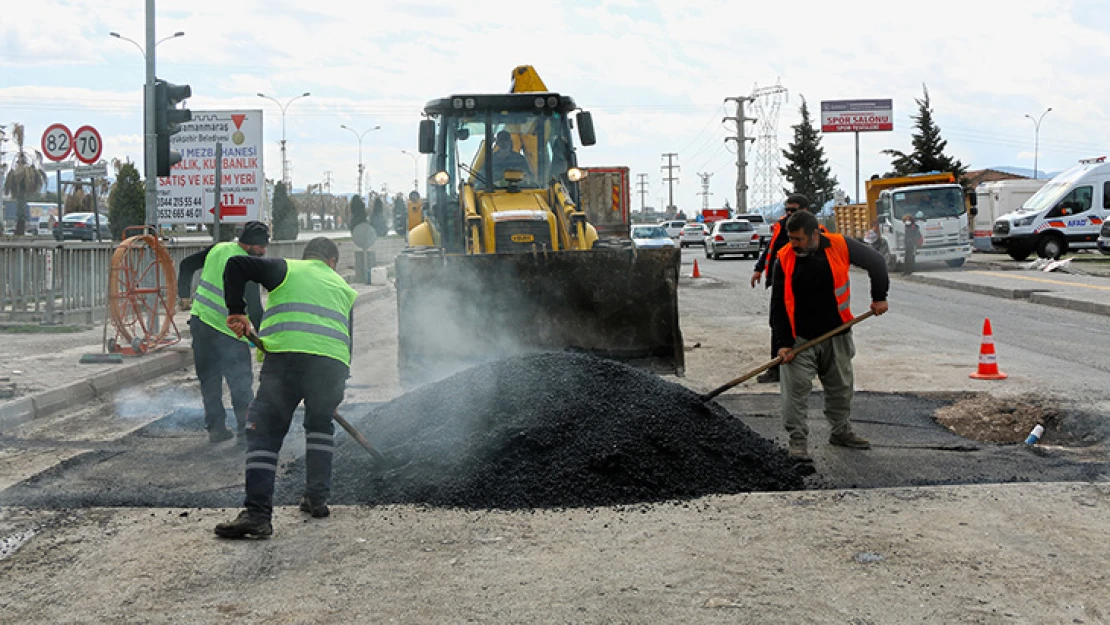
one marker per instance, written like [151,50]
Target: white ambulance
[1066,214]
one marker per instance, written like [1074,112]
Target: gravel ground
[557,430]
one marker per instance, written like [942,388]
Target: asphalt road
[932,336]
[927,344]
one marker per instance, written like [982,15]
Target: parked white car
[693,234]
[732,236]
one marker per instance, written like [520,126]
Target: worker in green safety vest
[217,353]
[306,332]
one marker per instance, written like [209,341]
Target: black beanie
[255,233]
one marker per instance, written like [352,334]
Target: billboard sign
[187,195]
[857,115]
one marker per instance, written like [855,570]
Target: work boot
[245,525]
[799,449]
[849,440]
[219,435]
[770,376]
[318,509]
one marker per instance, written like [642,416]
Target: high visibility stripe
[262,453]
[308,328]
[988,340]
[261,466]
[211,287]
[311,309]
[319,447]
[320,436]
[220,308]
[844,289]
[843,306]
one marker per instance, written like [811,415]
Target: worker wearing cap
[217,353]
[810,296]
[306,332]
[766,262]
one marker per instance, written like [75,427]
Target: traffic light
[167,121]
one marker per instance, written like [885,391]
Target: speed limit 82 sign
[87,145]
[57,142]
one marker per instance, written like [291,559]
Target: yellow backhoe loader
[505,260]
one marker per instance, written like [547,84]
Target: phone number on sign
[196,213]
[179,202]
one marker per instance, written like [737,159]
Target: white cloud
[655,74]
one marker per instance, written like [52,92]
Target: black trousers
[287,379]
[219,357]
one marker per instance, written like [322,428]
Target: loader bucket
[455,311]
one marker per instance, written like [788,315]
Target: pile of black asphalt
[555,430]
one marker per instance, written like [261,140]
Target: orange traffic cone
[696,274]
[988,361]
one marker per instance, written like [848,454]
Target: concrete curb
[982,289]
[24,409]
[1049,299]
[54,400]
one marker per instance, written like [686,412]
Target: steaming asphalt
[170,463]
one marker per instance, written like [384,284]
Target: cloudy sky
[655,74]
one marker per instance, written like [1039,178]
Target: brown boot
[799,449]
[849,440]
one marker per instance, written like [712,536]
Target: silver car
[647,237]
[732,236]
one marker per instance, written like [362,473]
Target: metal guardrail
[77,291]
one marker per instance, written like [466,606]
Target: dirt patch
[1010,420]
[558,430]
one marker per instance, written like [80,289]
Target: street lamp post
[360,136]
[141,50]
[284,160]
[415,170]
[1037,139]
[149,141]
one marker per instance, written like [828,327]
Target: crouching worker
[810,296]
[306,333]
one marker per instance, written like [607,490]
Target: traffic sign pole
[216,195]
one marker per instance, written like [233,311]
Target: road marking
[1044,280]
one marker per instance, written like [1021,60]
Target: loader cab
[505,143]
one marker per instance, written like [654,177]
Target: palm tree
[25,179]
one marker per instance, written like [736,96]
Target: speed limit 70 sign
[57,142]
[87,145]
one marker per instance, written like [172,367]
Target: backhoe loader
[505,260]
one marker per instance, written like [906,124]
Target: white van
[997,198]
[1066,214]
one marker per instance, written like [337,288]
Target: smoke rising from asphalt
[176,406]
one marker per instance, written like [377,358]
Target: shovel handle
[355,434]
[343,423]
[793,352]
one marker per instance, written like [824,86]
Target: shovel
[384,462]
[793,352]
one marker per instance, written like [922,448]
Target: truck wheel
[892,264]
[1051,246]
[955,262]
[707,251]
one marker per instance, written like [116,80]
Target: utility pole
[642,189]
[705,190]
[741,140]
[670,179]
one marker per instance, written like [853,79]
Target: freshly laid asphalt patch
[552,436]
[558,430]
